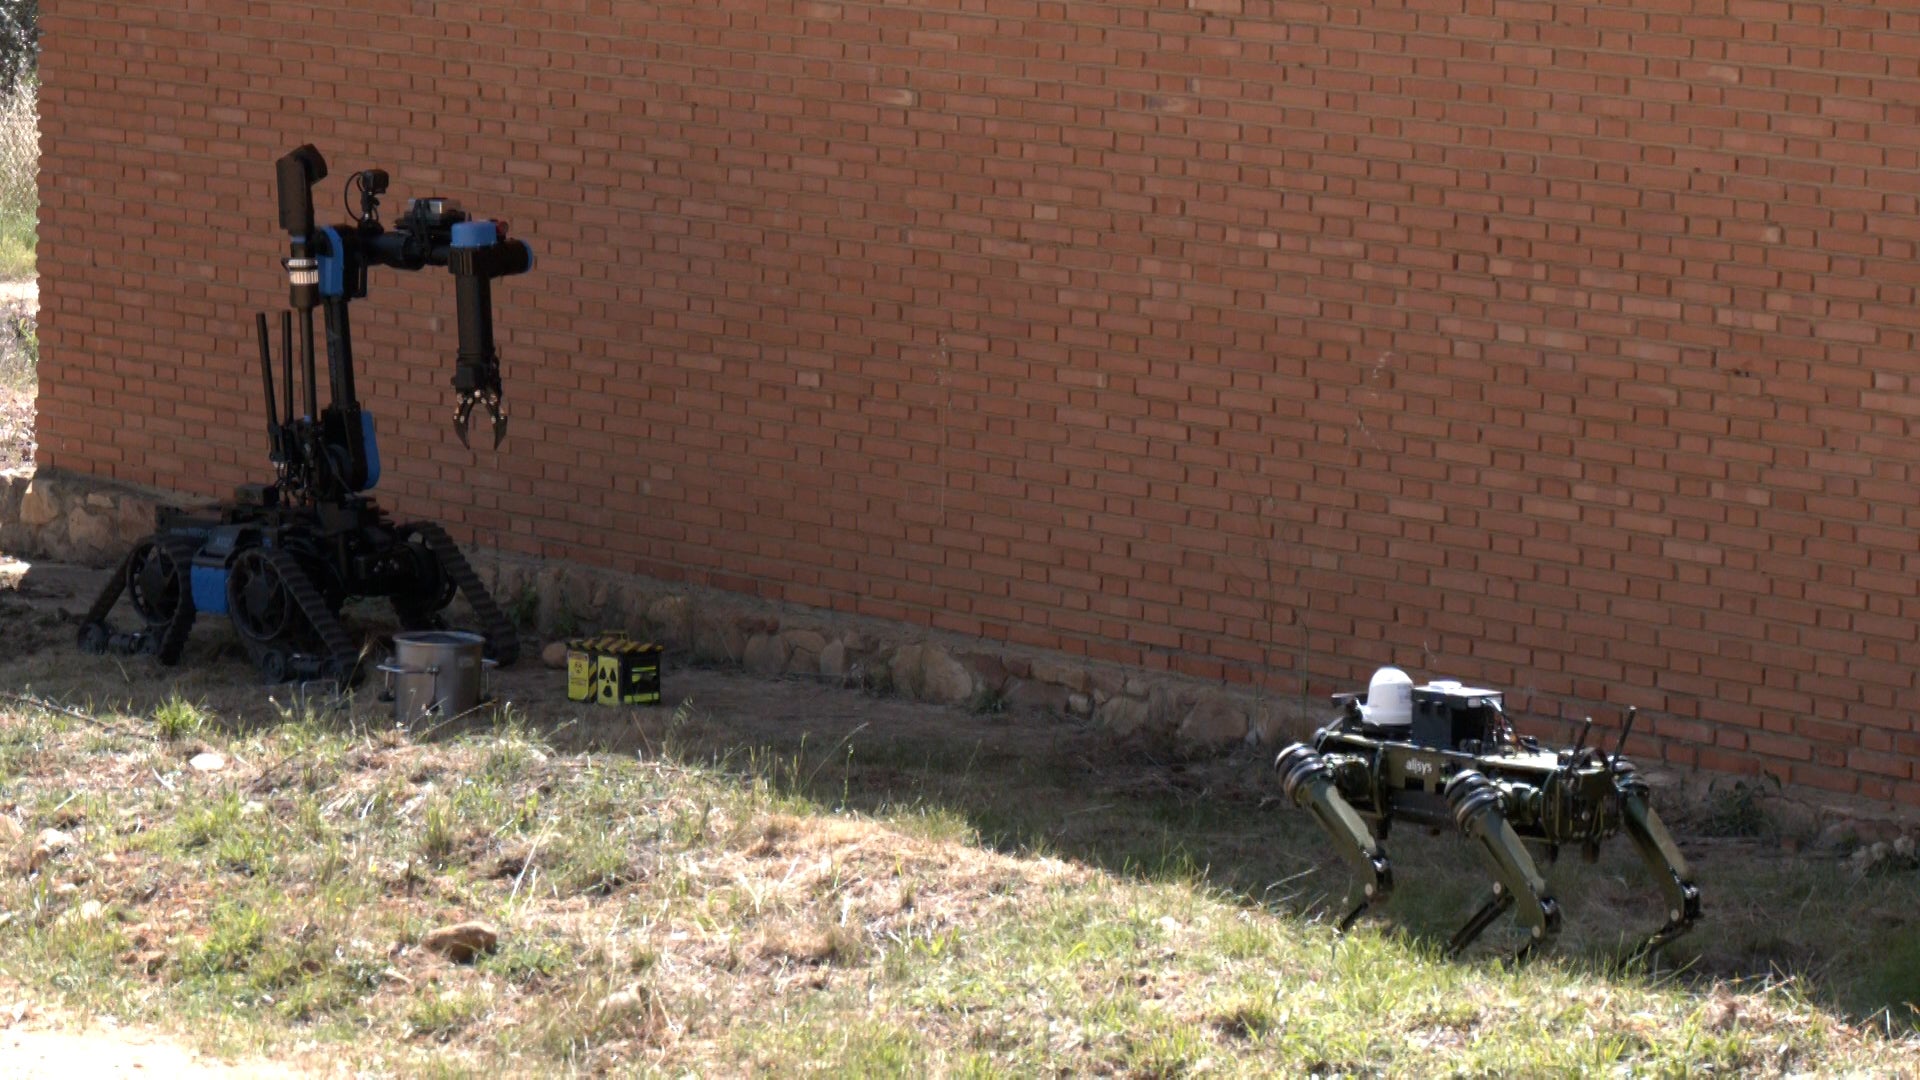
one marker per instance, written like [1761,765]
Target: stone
[942,678]
[803,650]
[49,843]
[463,942]
[1793,820]
[133,522]
[89,911]
[206,761]
[38,506]
[1273,724]
[758,623]
[12,485]
[633,605]
[506,580]
[988,671]
[904,670]
[1123,716]
[1168,705]
[1079,705]
[550,608]
[672,619]
[1028,695]
[583,595]
[1838,836]
[1213,723]
[633,1008]
[1875,831]
[554,655]
[766,654]
[1060,673]
[833,660]
[717,640]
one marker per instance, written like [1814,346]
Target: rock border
[76,518]
[710,627]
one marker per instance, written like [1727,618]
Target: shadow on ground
[1028,784]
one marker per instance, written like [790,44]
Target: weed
[524,608]
[177,718]
[594,862]
[235,937]
[988,701]
[438,835]
[531,961]
[1736,808]
[439,1015]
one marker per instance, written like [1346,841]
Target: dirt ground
[42,1054]
[36,1044]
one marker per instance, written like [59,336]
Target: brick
[1041,328]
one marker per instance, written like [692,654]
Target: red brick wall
[1564,347]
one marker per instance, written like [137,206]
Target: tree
[19,41]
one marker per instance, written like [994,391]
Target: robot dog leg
[1476,803]
[1309,781]
[1662,856]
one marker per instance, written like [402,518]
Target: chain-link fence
[19,158]
[19,310]
[19,135]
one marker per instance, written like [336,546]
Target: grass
[660,913]
[833,884]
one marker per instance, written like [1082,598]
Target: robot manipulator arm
[436,232]
[480,252]
[432,232]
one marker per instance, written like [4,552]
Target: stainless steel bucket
[435,673]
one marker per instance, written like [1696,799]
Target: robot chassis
[1460,764]
[281,559]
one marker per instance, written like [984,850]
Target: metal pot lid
[439,637]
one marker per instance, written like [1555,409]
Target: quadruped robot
[1445,755]
[282,558]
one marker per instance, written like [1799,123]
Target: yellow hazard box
[613,669]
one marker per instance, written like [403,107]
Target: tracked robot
[1445,756]
[282,558]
